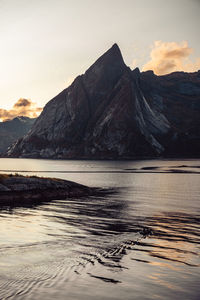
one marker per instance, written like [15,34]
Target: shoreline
[19,189]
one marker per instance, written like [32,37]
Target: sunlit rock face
[111,112]
[12,130]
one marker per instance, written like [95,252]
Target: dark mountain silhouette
[12,130]
[111,112]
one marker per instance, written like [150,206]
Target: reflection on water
[141,242]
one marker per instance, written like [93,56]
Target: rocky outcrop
[17,189]
[111,112]
[12,130]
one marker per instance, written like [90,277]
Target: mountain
[112,112]
[177,96]
[12,130]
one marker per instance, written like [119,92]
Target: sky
[45,44]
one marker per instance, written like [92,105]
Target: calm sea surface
[140,242]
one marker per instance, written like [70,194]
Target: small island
[17,189]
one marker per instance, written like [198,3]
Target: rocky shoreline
[18,189]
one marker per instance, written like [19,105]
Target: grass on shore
[6,176]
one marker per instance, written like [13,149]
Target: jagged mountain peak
[114,49]
[102,76]
[136,73]
[113,112]
[113,53]
[112,58]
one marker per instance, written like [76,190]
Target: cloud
[23,103]
[23,107]
[168,57]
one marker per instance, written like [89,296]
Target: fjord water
[139,241]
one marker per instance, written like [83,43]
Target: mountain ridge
[12,130]
[112,112]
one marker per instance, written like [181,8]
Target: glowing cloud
[168,57]
[23,107]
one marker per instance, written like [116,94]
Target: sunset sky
[46,43]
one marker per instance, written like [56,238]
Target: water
[140,242]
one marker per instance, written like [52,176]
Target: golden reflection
[163,265]
[157,278]
[23,227]
[176,238]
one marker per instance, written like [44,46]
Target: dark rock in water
[15,189]
[12,130]
[111,112]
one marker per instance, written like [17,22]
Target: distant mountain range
[12,130]
[112,112]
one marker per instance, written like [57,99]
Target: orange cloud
[168,57]
[23,107]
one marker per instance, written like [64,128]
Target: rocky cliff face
[177,96]
[111,112]
[12,130]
